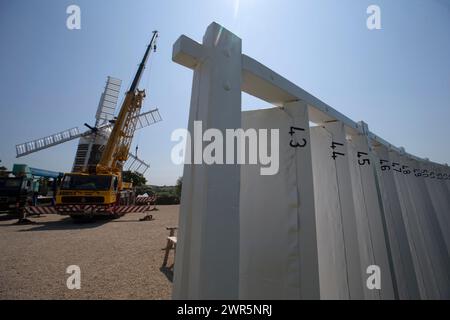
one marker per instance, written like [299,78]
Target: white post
[440,200]
[208,248]
[354,270]
[308,268]
[278,226]
[374,247]
[431,231]
[402,254]
[422,265]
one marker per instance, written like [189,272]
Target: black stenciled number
[425,173]
[334,145]
[432,175]
[363,161]
[439,176]
[294,144]
[384,166]
[406,170]
[417,172]
[395,165]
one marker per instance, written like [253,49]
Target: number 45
[364,161]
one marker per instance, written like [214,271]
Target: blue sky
[396,79]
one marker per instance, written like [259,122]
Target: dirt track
[119,259]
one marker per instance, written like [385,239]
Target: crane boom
[118,145]
[137,77]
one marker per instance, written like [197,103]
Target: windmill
[92,141]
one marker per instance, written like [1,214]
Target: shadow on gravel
[168,272]
[141,220]
[64,224]
[13,217]
[8,216]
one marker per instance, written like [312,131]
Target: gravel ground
[119,259]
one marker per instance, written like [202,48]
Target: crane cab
[82,189]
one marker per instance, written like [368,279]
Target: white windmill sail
[145,119]
[26,148]
[91,142]
[148,118]
[90,147]
[135,164]
[108,101]
[105,113]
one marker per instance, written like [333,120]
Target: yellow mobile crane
[103,192]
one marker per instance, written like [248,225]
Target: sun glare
[237,4]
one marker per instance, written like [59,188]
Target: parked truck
[25,186]
[15,193]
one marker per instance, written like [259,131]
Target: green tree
[135,177]
[179,186]
[3,171]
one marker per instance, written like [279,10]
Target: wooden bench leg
[166,255]
[174,254]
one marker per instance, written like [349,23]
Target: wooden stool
[171,244]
